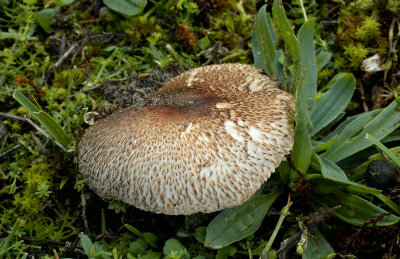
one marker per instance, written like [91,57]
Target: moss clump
[356,54]
[369,31]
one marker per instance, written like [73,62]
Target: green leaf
[200,234]
[203,43]
[152,255]
[4,247]
[380,126]
[333,172]
[317,247]
[174,246]
[226,252]
[86,244]
[150,238]
[389,203]
[45,17]
[308,63]
[325,185]
[64,2]
[290,40]
[357,211]
[133,230]
[48,123]
[234,224]
[126,7]
[385,150]
[322,59]
[319,146]
[333,102]
[263,46]
[138,247]
[302,147]
[362,118]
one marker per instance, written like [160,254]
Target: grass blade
[348,143]
[48,122]
[357,211]
[385,150]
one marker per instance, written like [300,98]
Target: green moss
[138,28]
[356,54]
[369,30]
[326,74]
[362,5]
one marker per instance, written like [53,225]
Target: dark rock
[379,174]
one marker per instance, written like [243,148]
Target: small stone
[379,174]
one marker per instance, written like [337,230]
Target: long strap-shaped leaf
[48,123]
[348,143]
[263,45]
[234,224]
[290,40]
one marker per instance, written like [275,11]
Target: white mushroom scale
[212,136]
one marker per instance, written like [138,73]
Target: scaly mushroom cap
[211,137]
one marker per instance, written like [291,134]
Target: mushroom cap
[212,136]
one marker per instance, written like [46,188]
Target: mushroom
[211,137]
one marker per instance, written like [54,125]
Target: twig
[63,42]
[362,94]
[83,201]
[35,126]
[64,56]
[8,151]
[41,147]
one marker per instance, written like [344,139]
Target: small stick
[83,201]
[8,151]
[362,94]
[35,126]
[64,56]
[41,147]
